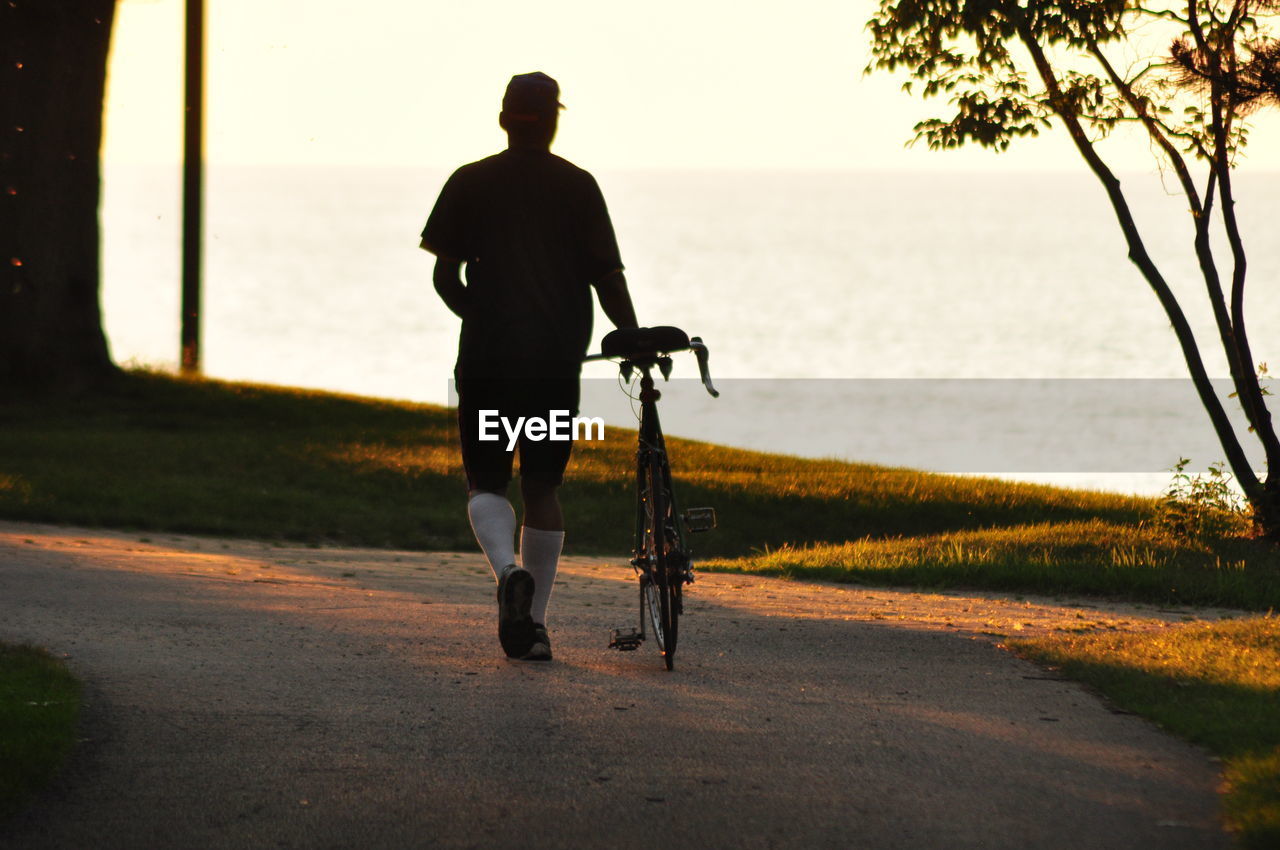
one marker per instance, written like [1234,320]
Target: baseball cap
[530,96]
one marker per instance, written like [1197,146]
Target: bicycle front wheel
[660,587]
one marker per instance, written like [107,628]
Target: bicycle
[660,556]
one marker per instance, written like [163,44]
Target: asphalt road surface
[246,695]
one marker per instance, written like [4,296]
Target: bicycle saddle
[634,343]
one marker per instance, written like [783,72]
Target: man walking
[535,237]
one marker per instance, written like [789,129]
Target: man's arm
[448,282]
[615,300]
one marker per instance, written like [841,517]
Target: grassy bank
[1217,685]
[157,453]
[1096,557]
[39,705]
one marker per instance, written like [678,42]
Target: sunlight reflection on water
[314,278]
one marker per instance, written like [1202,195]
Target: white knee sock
[540,555]
[494,522]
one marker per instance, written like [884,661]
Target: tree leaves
[974,52]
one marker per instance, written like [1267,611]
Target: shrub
[1202,507]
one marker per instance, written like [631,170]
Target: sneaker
[515,599]
[540,650]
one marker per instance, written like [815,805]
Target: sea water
[962,322]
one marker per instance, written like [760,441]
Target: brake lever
[702,353]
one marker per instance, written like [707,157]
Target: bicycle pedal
[699,519]
[625,641]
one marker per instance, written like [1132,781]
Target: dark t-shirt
[534,233]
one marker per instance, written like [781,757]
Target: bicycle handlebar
[699,349]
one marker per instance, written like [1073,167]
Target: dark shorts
[488,462]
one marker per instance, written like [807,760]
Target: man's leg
[493,521]
[541,540]
[488,468]
[542,465]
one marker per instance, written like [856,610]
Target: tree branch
[1222,108]
[1141,258]
[1167,14]
[1203,248]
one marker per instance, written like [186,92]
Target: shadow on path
[245,695]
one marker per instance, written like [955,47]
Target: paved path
[246,695]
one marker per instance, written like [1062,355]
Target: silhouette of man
[535,237]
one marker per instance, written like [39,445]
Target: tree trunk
[51,96]
[1266,511]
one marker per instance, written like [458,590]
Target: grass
[39,706]
[1094,557]
[1215,684]
[156,453]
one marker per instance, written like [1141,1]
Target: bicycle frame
[651,454]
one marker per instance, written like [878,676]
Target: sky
[665,84]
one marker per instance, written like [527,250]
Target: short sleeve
[447,233]
[602,255]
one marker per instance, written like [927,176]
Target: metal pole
[192,187]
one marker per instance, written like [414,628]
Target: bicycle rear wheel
[660,587]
